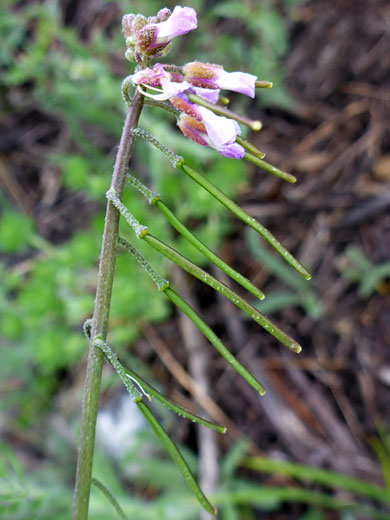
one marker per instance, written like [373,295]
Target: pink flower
[158,77]
[153,37]
[206,75]
[212,130]
[171,84]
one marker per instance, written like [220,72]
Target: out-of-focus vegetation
[47,289]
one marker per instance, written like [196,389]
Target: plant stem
[100,317]
[269,167]
[225,112]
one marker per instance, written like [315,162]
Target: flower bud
[164,14]
[138,23]
[129,54]
[153,19]
[127,22]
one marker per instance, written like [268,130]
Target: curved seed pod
[177,457]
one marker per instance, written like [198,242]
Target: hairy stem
[100,317]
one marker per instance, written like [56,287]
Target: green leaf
[16,231]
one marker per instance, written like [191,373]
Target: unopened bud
[129,54]
[164,14]
[145,38]
[127,22]
[138,23]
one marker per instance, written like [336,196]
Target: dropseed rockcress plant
[192,94]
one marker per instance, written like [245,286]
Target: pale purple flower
[206,75]
[181,21]
[215,131]
[158,77]
[155,36]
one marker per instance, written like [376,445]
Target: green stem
[178,162]
[242,215]
[214,340]
[154,198]
[176,456]
[100,318]
[186,233]
[183,412]
[206,278]
[202,275]
[114,502]
[269,168]
[112,358]
[222,111]
[250,147]
[197,320]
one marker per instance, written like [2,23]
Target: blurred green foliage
[43,494]
[356,267]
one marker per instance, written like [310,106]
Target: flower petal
[237,81]
[208,94]
[233,151]
[220,130]
[181,21]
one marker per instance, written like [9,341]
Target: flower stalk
[100,317]
[222,111]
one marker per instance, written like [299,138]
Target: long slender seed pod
[154,198]
[205,329]
[177,457]
[214,340]
[242,215]
[178,162]
[203,276]
[269,168]
[206,278]
[154,424]
[172,405]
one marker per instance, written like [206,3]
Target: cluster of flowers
[151,38]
